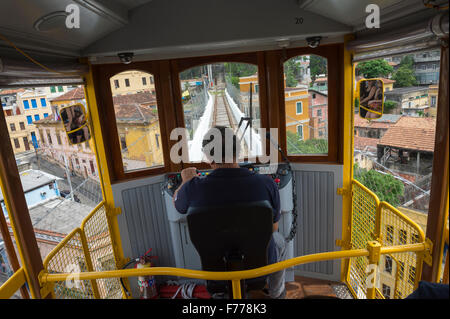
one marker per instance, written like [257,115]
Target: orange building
[244,88]
[297,111]
[296,101]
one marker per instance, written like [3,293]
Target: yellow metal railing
[234,276]
[83,264]
[398,273]
[86,249]
[9,288]
[363,230]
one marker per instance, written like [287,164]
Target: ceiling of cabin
[168,26]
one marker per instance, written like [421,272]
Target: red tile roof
[411,133]
[362,142]
[422,122]
[139,98]
[379,123]
[135,113]
[387,81]
[75,94]
[11,91]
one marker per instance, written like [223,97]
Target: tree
[234,71]
[317,66]
[404,76]
[385,186]
[290,71]
[407,61]
[374,69]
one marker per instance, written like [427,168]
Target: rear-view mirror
[75,123]
[371,98]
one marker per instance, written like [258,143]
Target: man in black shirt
[229,184]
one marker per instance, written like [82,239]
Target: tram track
[223,116]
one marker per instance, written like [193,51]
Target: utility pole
[68,177]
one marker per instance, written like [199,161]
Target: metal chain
[293,230]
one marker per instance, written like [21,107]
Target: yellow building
[433,91]
[296,102]
[139,135]
[132,82]
[244,88]
[388,84]
[297,111]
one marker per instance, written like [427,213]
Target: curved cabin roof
[162,29]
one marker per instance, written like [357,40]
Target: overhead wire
[9,42]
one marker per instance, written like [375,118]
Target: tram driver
[228,183]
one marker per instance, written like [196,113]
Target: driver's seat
[232,237]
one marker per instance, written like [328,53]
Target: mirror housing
[75,123]
[370,93]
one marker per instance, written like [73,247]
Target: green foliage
[385,186]
[192,73]
[317,65]
[311,146]
[235,81]
[374,69]
[233,71]
[421,113]
[404,76]
[290,71]
[407,61]
[389,105]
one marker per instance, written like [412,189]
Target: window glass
[222,94]
[59,192]
[395,153]
[137,121]
[306,105]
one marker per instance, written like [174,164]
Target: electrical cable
[121,281]
[33,60]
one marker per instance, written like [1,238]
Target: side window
[137,122]
[306,105]
[222,94]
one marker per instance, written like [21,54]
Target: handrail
[86,219]
[234,276]
[365,248]
[13,284]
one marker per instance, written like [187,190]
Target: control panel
[280,174]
